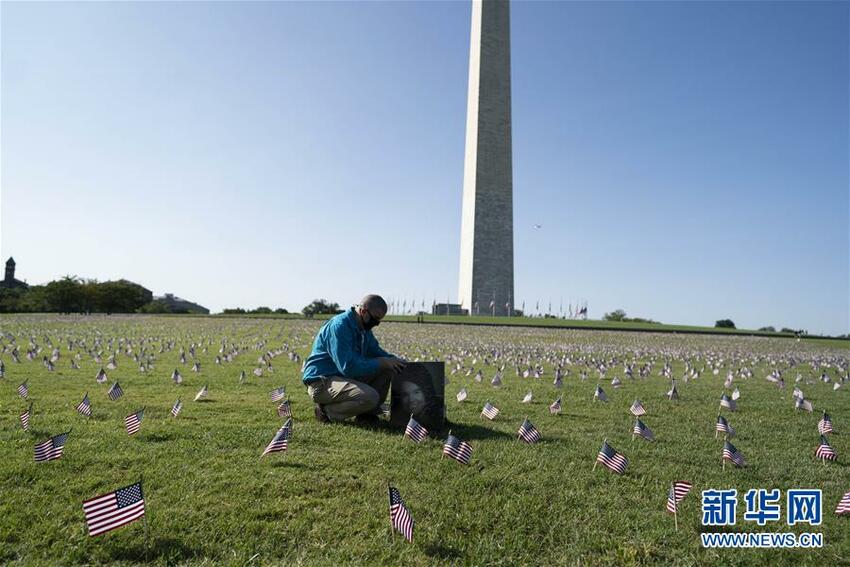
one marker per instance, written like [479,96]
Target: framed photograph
[419,391]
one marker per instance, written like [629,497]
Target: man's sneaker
[367,419]
[321,416]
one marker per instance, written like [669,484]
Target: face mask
[372,322]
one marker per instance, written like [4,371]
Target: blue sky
[688,160]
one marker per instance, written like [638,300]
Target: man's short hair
[374,302]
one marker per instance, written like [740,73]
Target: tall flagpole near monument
[486,243]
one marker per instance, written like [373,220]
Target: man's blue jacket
[342,348]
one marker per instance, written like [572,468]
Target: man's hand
[394,364]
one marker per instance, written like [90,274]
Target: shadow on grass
[290,465]
[158,437]
[467,431]
[440,551]
[170,549]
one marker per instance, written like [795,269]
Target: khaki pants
[343,398]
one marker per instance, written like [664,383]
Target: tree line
[76,295]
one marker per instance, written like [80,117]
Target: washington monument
[486,234]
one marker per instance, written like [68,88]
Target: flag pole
[391,517]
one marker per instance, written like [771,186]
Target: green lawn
[211,499]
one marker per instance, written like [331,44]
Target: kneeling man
[348,373]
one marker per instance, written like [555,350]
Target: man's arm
[349,362]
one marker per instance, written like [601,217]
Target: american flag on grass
[280,441]
[84,407]
[399,515]
[23,390]
[25,418]
[527,398]
[677,493]
[134,421]
[202,393]
[637,409]
[51,449]
[612,459]
[527,432]
[730,453]
[415,431]
[175,409]
[113,510]
[825,450]
[101,376]
[673,393]
[727,402]
[177,377]
[284,409]
[115,392]
[825,424]
[599,394]
[843,505]
[461,396]
[278,394]
[642,430]
[490,411]
[803,404]
[723,427]
[556,406]
[459,450]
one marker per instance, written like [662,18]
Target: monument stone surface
[487,246]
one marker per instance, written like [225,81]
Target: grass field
[211,499]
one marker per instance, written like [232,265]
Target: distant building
[179,305]
[9,281]
[448,309]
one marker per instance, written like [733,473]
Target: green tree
[725,324]
[65,295]
[321,307]
[617,315]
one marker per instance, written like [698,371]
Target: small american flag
[673,393]
[736,395]
[134,421]
[25,418]
[844,505]
[556,406]
[415,431]
[612,460]
[278,394]
[202,393]
[101,376]
[400,516]
[527,398]
[113,510]
[177,377]
[677,493]
[825,424]
[459,450]
[284,409]
[23,390]
[599,394]
[461,396]
[825,450]
[175,409]
[51,449]
[730,453]
[642,430]
[528,433]
[637,409]
[727,402]
[490,411]
[280,441]
[84,407]
[724,427]
[115,392]
[804,404]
